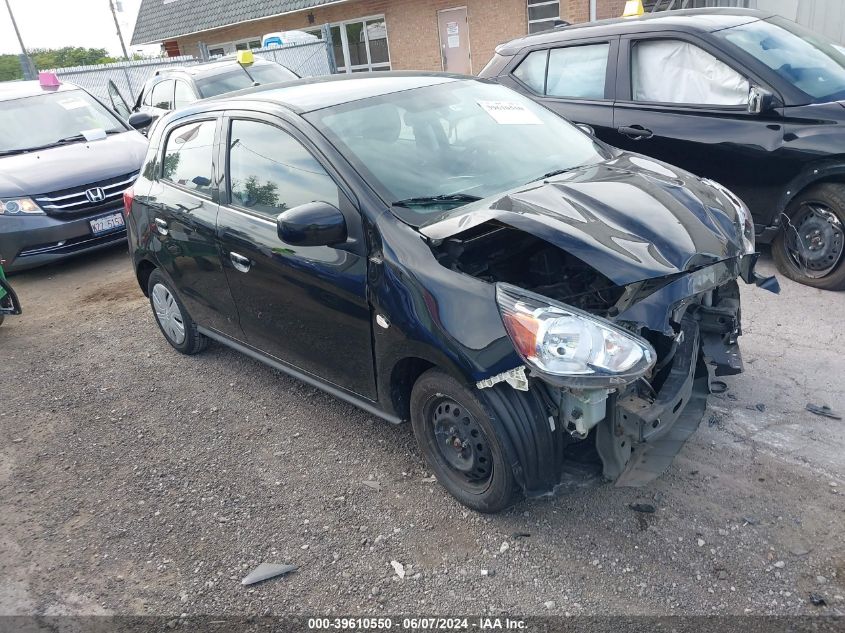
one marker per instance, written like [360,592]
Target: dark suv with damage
[546,310]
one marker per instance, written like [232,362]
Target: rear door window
[162,95]
[532,71]
[184,95]
[575,72]
[578,72]
[188,156]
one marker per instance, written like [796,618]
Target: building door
[453,27]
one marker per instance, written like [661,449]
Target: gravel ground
[134,480]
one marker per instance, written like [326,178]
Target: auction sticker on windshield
[107,223]
[510,113]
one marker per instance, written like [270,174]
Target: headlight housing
[582,349]
[19,206]
[745,221]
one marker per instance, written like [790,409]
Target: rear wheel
[810,247]
[459,443]
[172,318]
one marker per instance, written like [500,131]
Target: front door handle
[635,132]
[161,226]
[240,262]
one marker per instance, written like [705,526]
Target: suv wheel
[457,439]
[809,248]
[172,318]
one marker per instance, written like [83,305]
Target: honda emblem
[95,195]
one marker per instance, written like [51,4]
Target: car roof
[701,20]
[19,89]
[208,68]
[306,95]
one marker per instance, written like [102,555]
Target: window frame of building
[232,47]
[545,23]
[345,67]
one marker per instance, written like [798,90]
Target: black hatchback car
[545,309]
[744,97]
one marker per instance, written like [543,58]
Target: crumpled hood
[71,165]
[631,218]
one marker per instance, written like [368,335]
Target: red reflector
[128,199]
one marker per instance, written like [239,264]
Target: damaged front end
[622,370]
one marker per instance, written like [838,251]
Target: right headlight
[19,206]
[583,349]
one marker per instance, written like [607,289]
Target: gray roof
[159,20]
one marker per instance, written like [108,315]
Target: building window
[229,48]
[542,15]
[359,45]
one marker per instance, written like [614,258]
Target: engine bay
[495,252]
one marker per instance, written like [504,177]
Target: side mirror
[312,224]
[760,100]
[586,129]
[140,120]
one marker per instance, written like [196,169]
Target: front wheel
[810,245]
[459,443]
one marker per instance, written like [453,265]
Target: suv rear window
[238,79]
[576,72]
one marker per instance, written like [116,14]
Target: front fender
[812,173]
[442,316]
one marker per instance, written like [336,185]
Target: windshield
[434,148]
[47,119]
[237,79]
[805,59]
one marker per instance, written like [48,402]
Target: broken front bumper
[630,434]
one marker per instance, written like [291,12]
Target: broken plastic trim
[515,377]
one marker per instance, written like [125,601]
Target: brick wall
[411,27]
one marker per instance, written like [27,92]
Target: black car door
[680,100]
[183,215]
[576,80]
[306,306]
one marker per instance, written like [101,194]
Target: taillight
[128,199]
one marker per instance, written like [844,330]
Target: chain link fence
[307,59]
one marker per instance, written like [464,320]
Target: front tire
[172,317]
[810,247]
[460,444]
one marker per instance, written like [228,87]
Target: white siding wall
[825,16]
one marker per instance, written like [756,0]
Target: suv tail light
[128,199]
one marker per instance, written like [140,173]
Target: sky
[58,23]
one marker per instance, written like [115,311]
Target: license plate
[107,223]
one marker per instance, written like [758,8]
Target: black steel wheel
[810,248]
[460,444]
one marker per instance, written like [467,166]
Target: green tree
[47,58]
[10,68]
[253,194]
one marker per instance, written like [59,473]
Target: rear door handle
[636,132]
[161,226]
[240,262]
